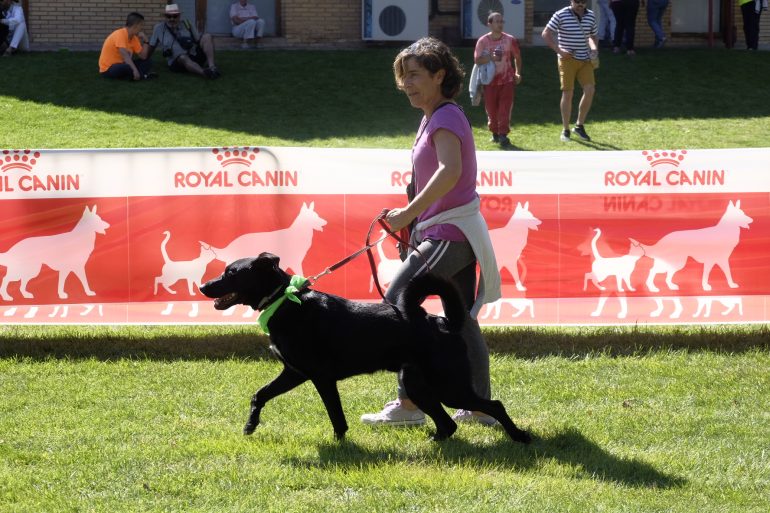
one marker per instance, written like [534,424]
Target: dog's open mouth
[226,301]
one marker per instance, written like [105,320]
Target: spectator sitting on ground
[125,52]
[247,24]
[13,28]
[181,47]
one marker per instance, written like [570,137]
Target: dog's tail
[426,285]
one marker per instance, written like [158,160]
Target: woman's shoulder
[450,116]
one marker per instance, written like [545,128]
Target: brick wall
[85,22]
[304,22]
[321,21]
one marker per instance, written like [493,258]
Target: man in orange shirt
[125,53]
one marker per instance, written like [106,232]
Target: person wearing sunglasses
[183,49]
[572,33]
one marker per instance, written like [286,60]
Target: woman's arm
[444,179]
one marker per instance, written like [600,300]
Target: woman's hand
[398,218]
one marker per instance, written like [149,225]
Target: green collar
[295,285]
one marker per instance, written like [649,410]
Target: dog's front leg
[331,399]
[286,380]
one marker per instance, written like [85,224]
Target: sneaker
[245,46]
[150,76]
[212,72]
[565,136]
[470,417]
[581,132]
[660,42]
[394,414]
[504,141]
[495,138]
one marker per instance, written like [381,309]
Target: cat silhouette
[519,304]
[620,267]
[191,271]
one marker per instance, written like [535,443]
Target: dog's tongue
[226,301]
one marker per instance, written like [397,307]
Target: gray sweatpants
[457,262]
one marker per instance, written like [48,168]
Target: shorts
[570,69]
[198,57]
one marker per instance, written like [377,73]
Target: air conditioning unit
[394,20]
[473,17]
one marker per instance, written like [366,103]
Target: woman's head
[435,57]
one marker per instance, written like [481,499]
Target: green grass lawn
[667,431]
[692,98]
[134,419]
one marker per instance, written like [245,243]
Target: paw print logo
[659,157]
[18,159]
[243,156]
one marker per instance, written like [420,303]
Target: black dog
[327,338]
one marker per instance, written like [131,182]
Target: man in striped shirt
[572,33]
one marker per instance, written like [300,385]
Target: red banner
[602,238]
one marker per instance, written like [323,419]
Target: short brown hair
[433,55]
[491,15]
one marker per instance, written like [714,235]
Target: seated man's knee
[182,60]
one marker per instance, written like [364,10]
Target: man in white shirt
[13,28]
[247,24]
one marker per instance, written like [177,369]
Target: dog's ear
[268,258]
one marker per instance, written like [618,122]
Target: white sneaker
[469,416]
[394,414]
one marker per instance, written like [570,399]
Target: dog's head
[248,281]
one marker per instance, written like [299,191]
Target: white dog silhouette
[65,252]
[291,244]
[710,246]
[510,240]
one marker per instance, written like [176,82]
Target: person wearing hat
[181,45]
[125,53]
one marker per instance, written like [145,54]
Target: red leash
[402,238]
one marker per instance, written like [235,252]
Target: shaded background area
[348,99]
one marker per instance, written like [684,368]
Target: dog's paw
[522,437]
[440,436]
[249,428]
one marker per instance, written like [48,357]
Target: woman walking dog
[450,233]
